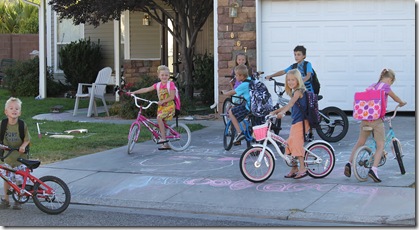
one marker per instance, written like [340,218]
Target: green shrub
[80,62]
[22,79]
[126,108]
[204,77]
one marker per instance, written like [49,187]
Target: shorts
[377,128]
[18,179]
[240,112]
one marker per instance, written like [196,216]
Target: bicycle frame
[273,138]
[26,174]
[245,130]
[150,125]
[389,136]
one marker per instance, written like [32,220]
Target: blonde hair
[387,73]
[13,99]
[162,68]
[300,84]
[241,70]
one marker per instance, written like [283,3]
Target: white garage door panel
[348,43]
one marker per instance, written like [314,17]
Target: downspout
[215,105]
[41,38]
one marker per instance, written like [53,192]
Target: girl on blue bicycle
[387,78]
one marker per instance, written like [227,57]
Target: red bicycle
[49,193]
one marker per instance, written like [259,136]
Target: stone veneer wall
[134,69]
[235,35]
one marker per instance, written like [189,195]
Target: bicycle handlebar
[7,148]
[142,99]
[136,100]
[394,113]
[276,83]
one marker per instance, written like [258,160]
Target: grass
[100,136]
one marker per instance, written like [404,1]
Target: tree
[188,18]
[18,18]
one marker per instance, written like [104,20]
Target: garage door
[348,44]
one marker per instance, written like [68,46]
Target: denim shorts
[240,112]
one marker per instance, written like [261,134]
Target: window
[66,32]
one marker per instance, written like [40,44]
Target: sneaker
[17,206]
[4,204]
[237,143]
[239,137]
[374,177]
[347,171]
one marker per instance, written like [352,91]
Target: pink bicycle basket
[260,131]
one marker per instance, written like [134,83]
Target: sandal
[293,173]
[162,141]
[164,147]
[301,175]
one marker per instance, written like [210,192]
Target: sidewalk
[206,179]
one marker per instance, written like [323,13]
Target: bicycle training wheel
[253,170]
[397,150]
[55,201]
[228,137]
[134,133]
[226,107]
[319,160]
[362,162]
[333,124]
[184,140]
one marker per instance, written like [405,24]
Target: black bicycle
[334,123]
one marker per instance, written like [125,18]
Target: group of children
[297,81]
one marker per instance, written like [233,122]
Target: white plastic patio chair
[95,90]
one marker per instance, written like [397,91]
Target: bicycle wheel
[55,202]
[226,107]
[254,171]
[184,140]
[134,133]
[228,137]
[333,124]
[319,160]
[397,150]
[362,162]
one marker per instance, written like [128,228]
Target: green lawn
[100,136]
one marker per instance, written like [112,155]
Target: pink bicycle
[178,134]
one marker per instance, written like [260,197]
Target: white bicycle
[257,163]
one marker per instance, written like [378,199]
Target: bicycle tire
[325,165]
[362,162]
[182,143]
[54,203]
[227,104]
[256,172]
[397,150]
[335,127]
[133,135]
[228,137]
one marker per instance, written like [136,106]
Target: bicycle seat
[367,128]
[29,163]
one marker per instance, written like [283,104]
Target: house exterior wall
[103,34]
[235,35]
[18,46]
